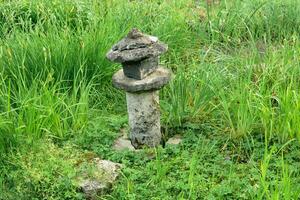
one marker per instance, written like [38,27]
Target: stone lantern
[141,78]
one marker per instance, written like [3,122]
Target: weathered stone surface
[135,47]
[139,70]
[154,81]
[101,180]
[92,188]
[122,144]
[144,118]
[175,140]
[137,54]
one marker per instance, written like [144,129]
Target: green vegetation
[235,98]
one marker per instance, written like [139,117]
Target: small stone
[101,181]
[122,144]
[175,140]
[154,81]
[110,168]
[92,188]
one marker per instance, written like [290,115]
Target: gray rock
[100,182]
[93,188]
[136,46]
[122,144]
[154,81]
[175,140]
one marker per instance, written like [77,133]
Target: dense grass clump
[234,98]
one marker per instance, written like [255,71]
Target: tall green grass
[53,53]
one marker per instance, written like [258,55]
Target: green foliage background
[234,98]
